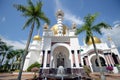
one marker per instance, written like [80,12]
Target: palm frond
[29,21]
[38,7]
[102,25]
[80,30]
[87,38]
[37,23]
[97,28]
[31,7]
[44,18]
[20,8]
[27,14]
[11,54]
[89,19]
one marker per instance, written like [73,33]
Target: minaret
[112,45]
[34,52]
[59,16]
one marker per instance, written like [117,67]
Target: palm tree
[15,56]
[34,14]
[1,50]
[89,28]
[4,62]
[5,50]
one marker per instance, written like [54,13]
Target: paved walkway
[108,76]
[13,76]
[29,76]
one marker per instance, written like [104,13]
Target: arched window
[102,62]
[115,58]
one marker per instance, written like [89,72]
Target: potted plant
[118,67]
[35,70]
[109,69]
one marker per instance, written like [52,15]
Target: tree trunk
[25,52]
[98,59]
[96,51]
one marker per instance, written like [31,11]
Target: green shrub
[36,64]
[87,70]
[118,66]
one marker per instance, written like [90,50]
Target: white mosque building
[59,46]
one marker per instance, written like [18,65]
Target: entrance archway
[60,57]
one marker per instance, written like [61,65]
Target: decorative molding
[52,43]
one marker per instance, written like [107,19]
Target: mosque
[59,46]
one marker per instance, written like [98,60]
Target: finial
[45,26]
[60,13]
[109,38]
[74,25]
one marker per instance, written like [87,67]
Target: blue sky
[11,21]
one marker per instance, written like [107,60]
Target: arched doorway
[95,66]
[60,57]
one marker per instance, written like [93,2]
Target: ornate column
[106,58]
[86,60]
[70,58]
[48,59]
[45,59]
[79,58]
[110,60]
[73,58]
[43,55]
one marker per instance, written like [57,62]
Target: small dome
[55,29]
[97,40]
[36,37]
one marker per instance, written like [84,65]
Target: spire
[38,32]
[60,16]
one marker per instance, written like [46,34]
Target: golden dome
[55,29]
[36,37]
[97,40]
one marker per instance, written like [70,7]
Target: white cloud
[68,15]
[113,33]
[16,44]
[116,22]
[58,5]
[72,18]
[3,19]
